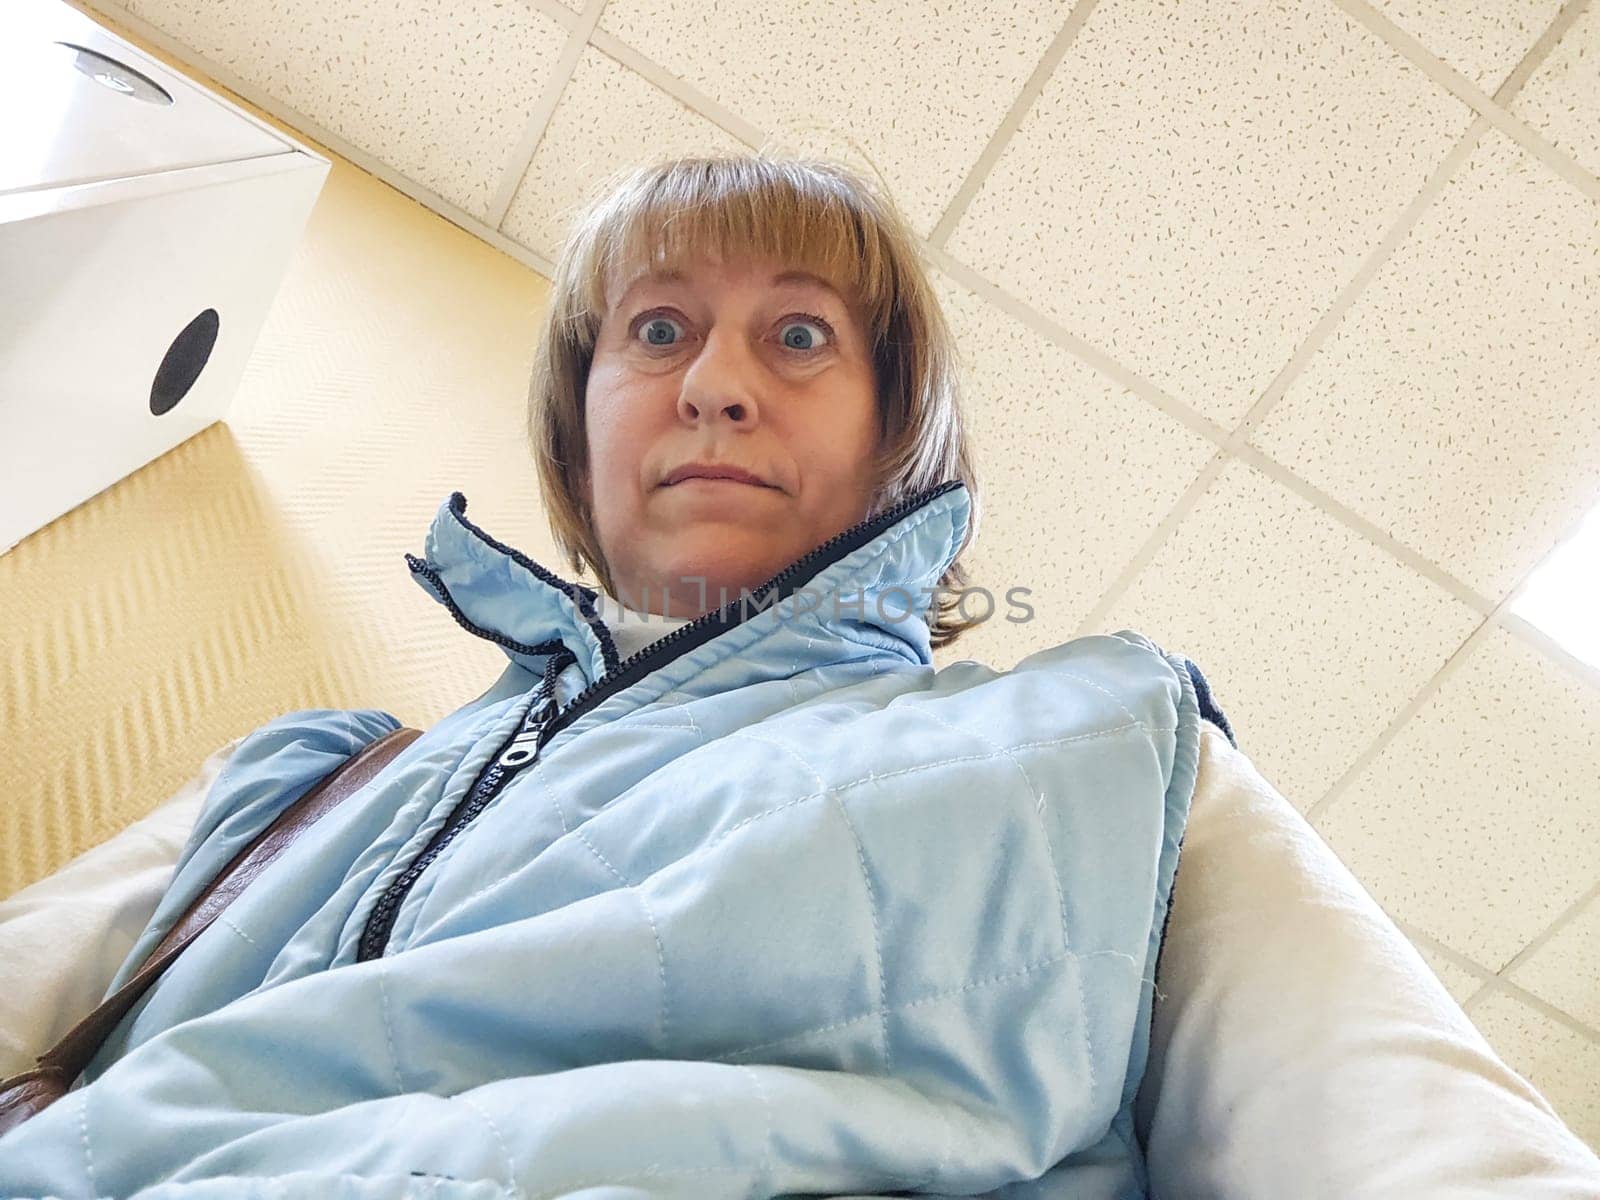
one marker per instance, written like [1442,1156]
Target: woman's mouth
[713,473]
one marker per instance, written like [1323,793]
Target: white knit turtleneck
[631,629]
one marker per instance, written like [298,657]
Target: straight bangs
[727,209]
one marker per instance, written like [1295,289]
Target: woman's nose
[732,409]
[720,385]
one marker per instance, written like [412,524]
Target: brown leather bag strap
[25,1094]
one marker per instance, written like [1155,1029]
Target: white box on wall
[145,227]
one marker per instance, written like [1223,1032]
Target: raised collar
[857,586]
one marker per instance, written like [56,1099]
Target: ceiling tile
[1477,824]
[1074,474]
[1457,980]
[1196,183]
[1454,406]
[609,119]
[1561,1063]
[1482,41]
[920,86]
[440,92]
[1565,971]
[1562,98]
[1311,637]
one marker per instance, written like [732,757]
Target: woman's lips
[713,473]
[715,479]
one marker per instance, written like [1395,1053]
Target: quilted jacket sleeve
[282,760]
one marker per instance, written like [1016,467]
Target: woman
[731,893]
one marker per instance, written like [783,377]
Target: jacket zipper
[544,720]
[513,757]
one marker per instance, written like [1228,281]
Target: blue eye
[804,342]
[653,334]
[657,332]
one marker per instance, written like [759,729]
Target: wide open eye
[802,340]
[657,331]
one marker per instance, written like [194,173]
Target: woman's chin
[723,559]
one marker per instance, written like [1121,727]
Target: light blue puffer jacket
[772,908]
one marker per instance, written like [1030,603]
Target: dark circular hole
[186,358]
[117,76]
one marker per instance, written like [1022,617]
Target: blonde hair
[809,214]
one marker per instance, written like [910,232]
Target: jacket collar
[850,582]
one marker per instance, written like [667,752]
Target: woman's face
[733,365]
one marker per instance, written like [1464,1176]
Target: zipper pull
[524,748]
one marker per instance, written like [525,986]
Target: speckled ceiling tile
[609,118]
[440,92]
[1562,98]
[1482,41]
[921,86]
[1074,473]
[1196,183]
[1565,971]
[1562,1064]
[1477,823]
[1454,406]
[1458,981]
[1311,637]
